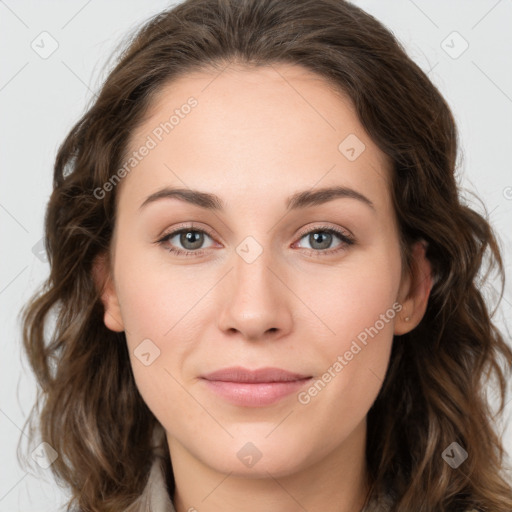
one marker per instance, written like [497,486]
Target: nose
[255,300]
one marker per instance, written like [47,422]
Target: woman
[203,357]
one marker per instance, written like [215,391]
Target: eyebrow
[297,201]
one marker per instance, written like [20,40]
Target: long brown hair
[88,407]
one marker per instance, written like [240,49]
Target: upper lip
[240,374]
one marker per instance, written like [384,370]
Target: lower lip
[255,394]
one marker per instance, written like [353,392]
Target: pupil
[323,236]
[192,237]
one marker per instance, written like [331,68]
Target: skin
[292,307]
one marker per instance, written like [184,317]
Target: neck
[336,483]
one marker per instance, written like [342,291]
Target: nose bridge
[255,300]
[252,276]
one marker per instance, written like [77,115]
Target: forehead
[279,125]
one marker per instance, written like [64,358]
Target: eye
[190,238]
[321,239]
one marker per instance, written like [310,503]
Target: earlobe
[105,285]
[416,290]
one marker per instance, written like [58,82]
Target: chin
[258,458]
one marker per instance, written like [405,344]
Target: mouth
[254,388]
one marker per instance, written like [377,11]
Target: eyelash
[346,240]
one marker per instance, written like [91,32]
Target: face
[272,273]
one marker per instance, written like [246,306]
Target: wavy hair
[88,407]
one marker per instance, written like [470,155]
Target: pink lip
[254,388]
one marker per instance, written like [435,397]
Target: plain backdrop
[52,56]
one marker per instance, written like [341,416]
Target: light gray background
[41,98]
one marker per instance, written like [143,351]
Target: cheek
[355,297]
[155,298]
[354,365]
[161,325]
[357,307]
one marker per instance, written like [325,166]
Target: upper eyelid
[337,230]
[172,233]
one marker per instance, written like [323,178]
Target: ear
[414,290]
[105,284]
